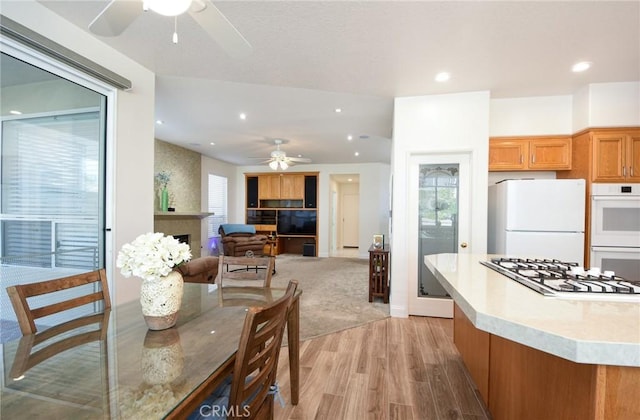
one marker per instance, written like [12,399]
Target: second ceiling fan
[280,160]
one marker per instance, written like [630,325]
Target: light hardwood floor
[390,369]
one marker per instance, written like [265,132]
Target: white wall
[614,105]
[530,116]
[374,193]
[131,182]
[435,124]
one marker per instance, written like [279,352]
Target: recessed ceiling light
[15,112]
[212,144]
[349,137]
[442,76]
[338,110]
[581,66]
[159,122]
[356,154]
[243,116]
[349,179]
[299,155]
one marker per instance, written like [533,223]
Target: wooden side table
[379,273]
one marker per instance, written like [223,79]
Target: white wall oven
[615,229]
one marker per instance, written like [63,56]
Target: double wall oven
[615,229]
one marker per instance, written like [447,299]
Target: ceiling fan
[119,14]
[279,158]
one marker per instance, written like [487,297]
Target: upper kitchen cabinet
[606,155]
[616,155]
[542,153]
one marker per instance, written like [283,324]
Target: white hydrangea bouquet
[152,256]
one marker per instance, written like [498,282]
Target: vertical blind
[217,203]
[50,187]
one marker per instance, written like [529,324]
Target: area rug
[335,293]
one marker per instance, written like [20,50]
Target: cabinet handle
[624,171]
[521,159]
[533,159]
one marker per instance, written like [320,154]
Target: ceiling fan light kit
[167,7]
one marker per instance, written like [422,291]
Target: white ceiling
[310,57]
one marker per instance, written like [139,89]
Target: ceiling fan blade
[116,17]
[221,30]
[299,160]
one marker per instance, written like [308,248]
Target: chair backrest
[256,361]
[27,315]
[245,270]
[47,343]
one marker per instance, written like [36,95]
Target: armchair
[200,270]
[237,239]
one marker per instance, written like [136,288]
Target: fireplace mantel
[181,215]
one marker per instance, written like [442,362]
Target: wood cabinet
[520,382]
[544,153]
[603,155]
[379,273]
[281,187]
[616,156]
[286,205]
[269,186]
[292,187]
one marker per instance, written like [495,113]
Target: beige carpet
[335,293]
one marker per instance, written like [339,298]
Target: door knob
[463,245]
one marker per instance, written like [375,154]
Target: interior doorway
[345,219]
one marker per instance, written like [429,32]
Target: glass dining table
[115,368]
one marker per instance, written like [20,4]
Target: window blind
[217,204]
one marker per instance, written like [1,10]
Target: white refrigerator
[538,218]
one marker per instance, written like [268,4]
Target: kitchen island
[535,357]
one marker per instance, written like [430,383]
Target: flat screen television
[296,222]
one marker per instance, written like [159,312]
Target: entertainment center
[284,207]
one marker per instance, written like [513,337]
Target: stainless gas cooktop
[562,279]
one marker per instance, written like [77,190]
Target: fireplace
[184,238]
[185,226]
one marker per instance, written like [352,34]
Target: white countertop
[583,331]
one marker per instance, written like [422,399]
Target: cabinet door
[292,187]
[268,187]
[632,158]
[508,154]
[608,157]
[550,154]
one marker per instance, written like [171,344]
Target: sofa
[238,239]
[199,270]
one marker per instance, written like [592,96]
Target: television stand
[294,244]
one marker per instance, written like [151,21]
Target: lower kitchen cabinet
[520,382]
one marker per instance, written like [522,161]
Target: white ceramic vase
[162,357]
[161,300]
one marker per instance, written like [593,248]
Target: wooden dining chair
[22,294]
[250,390]
[34,349]
[245,270]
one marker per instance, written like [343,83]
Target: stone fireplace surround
[182,223]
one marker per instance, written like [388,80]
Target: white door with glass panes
[439,208]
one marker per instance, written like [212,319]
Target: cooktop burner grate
[558,278]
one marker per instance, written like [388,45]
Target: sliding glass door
[52,190]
